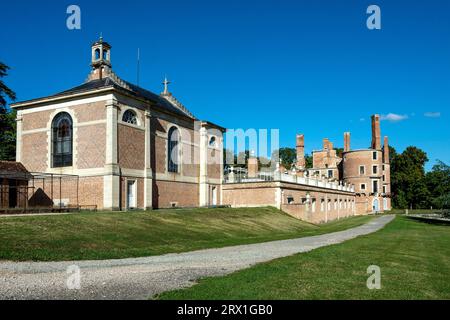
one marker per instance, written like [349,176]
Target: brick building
[355,182]
[130,148]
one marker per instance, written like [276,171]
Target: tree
[408,183]
[339,152]
[308,161]
[438,183]
[4,90]
[288,157]
[7,119]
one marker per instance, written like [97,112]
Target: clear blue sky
[307,67]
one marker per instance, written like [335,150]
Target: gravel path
[141,278]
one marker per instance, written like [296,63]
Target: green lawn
[104,235]
[414,258]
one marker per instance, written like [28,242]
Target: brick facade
[108,149]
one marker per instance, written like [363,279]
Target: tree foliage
[438,182]
[413,188]
[7,119]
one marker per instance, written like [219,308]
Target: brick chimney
[300,150]
[386,150]
[376,134]
[346,141]
[327,144]
[252,166]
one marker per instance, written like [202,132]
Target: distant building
[355,183]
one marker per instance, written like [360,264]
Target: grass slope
[106,235]
[414,258]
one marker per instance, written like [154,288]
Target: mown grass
[414,259]
[105,235]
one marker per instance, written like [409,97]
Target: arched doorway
[375,205]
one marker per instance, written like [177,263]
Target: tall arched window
[173,154]
[62,137]
[97,54]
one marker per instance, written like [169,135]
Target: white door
[131,194]
[214,196]
[376,206]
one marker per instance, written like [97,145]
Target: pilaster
[148,182]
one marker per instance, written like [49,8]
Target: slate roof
[119,84]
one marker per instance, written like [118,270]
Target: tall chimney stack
[346,141]
[325,144]
[376,134]
[386,150]
[252,166]
[300,151]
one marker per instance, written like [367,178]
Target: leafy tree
[408,183]
[438,183]
[7,119]
[308,161]
[288,156]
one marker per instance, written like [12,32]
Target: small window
[383,167]
[322,205]
[384,189]
[330,173]
[374,155]
[290,199]
[384,178]
[374,169]
[362,170]
[317,173]
[129,116]
[363,186]
[375,186]
[212,142]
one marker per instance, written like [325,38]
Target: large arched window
[129,116]
[62,137]
[173,154]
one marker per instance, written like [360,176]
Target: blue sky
[307,67]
